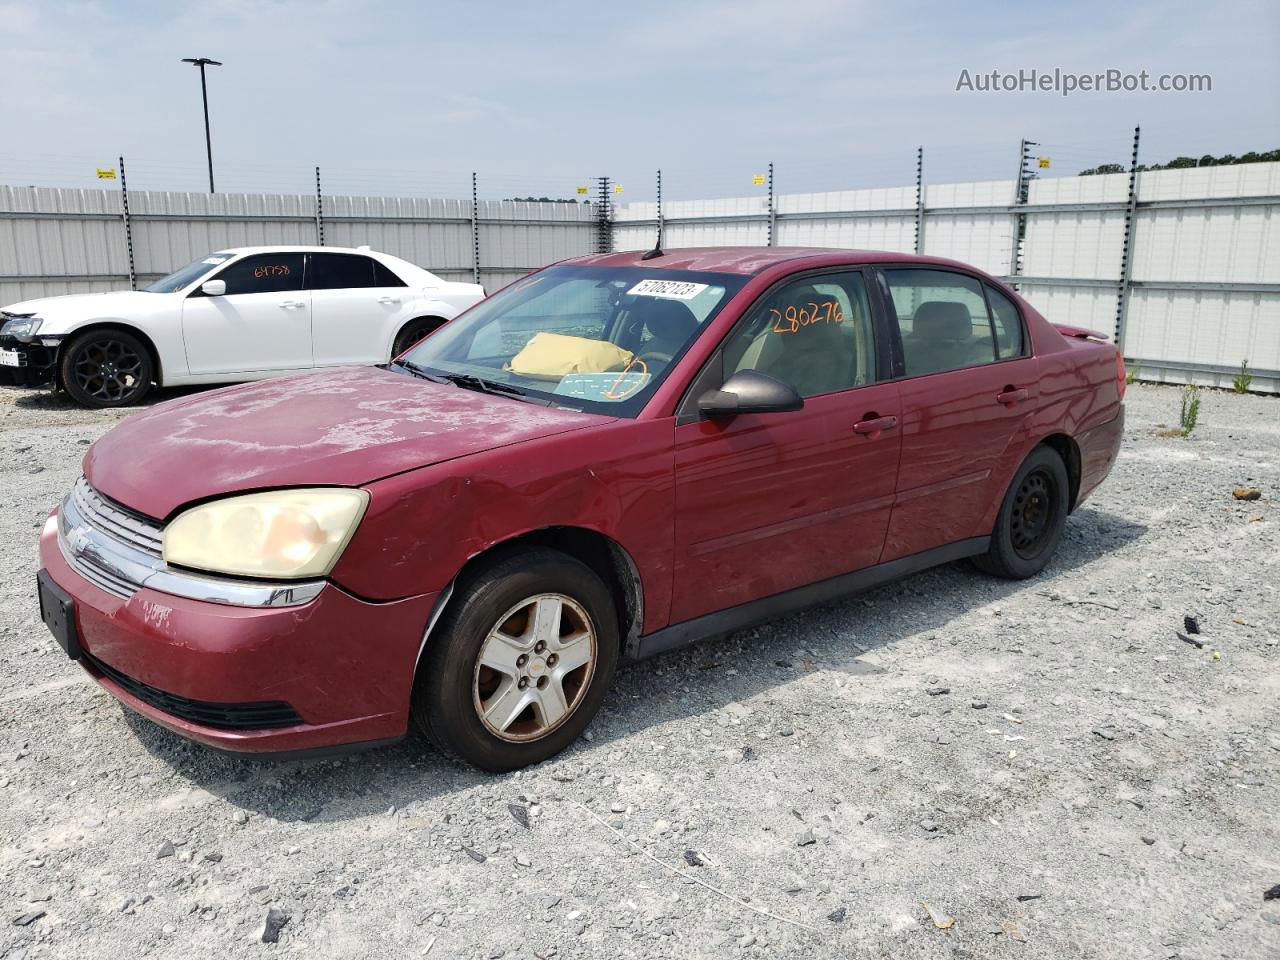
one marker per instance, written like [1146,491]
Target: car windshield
[598,339]
[189,274]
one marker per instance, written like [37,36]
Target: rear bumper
[336,671]
[1099,447]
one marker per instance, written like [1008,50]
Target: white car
[242,314]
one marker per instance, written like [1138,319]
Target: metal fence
[62,240]
[1181,266]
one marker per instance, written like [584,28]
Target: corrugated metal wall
[1205,266]
[1205,242]
[56,241]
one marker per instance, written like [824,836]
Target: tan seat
[814,359]
[942,339]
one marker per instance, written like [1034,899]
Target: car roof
[298,248]
[752,260]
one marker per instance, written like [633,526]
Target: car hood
[81,306]
[341,427]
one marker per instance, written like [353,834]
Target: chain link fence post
[475,230]
[1021,191]
[604,216]
[773,213]
[319,211]
[128,226]
[919,200]
[1126,251]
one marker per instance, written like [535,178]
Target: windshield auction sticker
[670,289]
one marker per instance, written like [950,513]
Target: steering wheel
[655,357]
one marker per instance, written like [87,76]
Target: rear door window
[943,319]
[339,271]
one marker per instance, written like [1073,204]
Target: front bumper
[37,362]
[343,666]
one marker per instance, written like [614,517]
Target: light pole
[203,62]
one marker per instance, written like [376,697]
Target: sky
[538,98]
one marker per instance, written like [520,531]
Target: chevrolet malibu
[611,458]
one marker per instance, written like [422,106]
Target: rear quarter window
[1007,324]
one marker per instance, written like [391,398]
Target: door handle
[287,304]
[388,299]
[873,426]
[1010,396]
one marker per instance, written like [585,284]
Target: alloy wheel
[107,370]
[534,667]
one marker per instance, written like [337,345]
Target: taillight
[1121,375]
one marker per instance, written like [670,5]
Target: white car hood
[72,310]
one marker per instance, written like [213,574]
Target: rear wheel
[412,332]
[1031,518]
[107,368]
[519,663]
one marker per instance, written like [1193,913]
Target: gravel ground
[950,766]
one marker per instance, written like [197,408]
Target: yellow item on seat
[552,355]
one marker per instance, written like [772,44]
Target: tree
[1182,163]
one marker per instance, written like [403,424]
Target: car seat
[667,325]
[814,359]
[942,339]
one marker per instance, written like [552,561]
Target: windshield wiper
[419,371]
[471,382]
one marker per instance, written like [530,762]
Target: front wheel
[1031,518]
[107,368]
[519,663]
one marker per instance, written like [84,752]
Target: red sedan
[613,457]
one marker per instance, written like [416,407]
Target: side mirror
[213,288]
[749,391]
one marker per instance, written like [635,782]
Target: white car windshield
[189,274]
[592,338]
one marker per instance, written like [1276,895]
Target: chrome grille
[120,573]
[110,518]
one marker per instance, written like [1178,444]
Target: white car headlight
[20,327]
[278,534]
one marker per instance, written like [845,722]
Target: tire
[481,714]
[1031,518]
[412,332]
[106,368]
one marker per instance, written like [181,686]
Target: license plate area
[11,358]
[57,610]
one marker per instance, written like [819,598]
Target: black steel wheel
[107,368]
[1032,515]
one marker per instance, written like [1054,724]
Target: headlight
[279,534]
[20,327]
